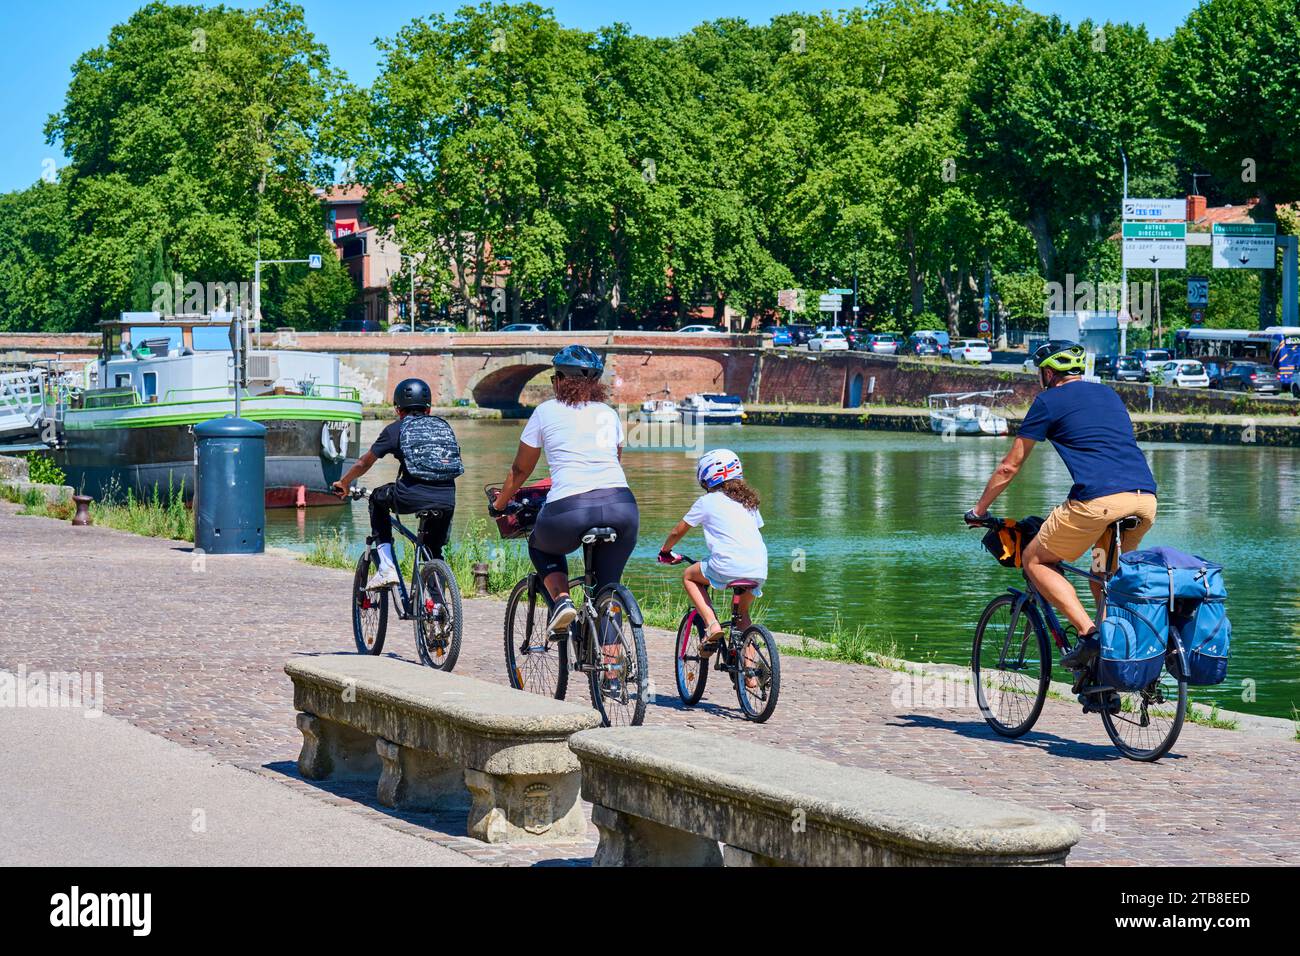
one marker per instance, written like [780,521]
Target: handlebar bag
[1008,540]
[528,501]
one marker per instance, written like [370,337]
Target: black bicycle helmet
[578,361]
[412,393]
[1062,355]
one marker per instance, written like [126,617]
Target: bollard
[82,518]
[480,578]
[229,486]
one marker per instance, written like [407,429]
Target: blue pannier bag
[1156,592]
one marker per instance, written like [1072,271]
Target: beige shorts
[1074,527]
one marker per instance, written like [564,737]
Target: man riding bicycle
[428,463]
[1092,432]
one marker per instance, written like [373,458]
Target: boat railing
[317,390]
[109,398]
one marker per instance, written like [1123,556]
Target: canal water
[864,528]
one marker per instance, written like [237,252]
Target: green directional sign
[1243,245]
[1155,245]
[839,291]
[1155,230]
[1245,229]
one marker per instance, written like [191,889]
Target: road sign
[789,299]
[1155,245]
[1198,316]
[1149,209]
[1198,291]
[313,262]
[839,291]
[1243,245]
[830,303]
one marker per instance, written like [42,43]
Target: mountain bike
[748,655]
[605,641]
[1011,664]
[431,602]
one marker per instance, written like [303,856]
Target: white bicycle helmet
[717,466]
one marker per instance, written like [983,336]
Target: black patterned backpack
[429,448]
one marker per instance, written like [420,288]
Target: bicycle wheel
[438,623]
[533,662]
[620,675]
[369,608]
[1150,720]
[758,679]
[1011,670]
[692,669]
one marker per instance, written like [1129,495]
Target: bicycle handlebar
[981,521]
[676,558]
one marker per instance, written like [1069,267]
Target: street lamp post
[1123,270]
[411,259]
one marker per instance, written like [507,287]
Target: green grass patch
[329,549]
[852,645]
[1212,719]
[42,470]
[158,515]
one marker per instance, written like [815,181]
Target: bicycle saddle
[1129,523]
[593,535]
[741,584]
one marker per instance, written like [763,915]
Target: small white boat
[709,408]
[659,410]
[963,413]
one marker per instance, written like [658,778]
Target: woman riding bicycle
[582,438]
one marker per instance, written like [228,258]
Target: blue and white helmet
[717,466]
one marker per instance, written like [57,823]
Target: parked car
[398,327]
[440,330]
[701,330]
[1152,359]
[1184,373]
[922,345]
[855,335]
[1126,368]
[939,336]
[524,327]
[974,351]
[1247,377]
[882,343]
[359,325]
[781,336]
[828,340]
[802,333]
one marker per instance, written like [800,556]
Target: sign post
[1155,245]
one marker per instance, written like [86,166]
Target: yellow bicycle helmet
[1062,355]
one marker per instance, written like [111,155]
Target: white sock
[386,560]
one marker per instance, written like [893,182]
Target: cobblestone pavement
[194,652]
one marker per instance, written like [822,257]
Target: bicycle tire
[369,608]
[1043,680]
[532,676]
[690,690]
[436,577]
[633,688]
[767,664]
[1115,727]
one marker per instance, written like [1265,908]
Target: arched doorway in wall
[855,391]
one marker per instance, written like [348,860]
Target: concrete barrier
[438,741]
[668,798]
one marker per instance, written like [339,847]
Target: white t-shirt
[736,548]
[581,445]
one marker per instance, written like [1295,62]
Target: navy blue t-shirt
[1090,428]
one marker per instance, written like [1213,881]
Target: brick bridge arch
[500,386]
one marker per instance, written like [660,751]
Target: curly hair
[739,492]
[579,391]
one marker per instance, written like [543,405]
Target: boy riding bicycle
[728,513]
[428,463]
[1092,432]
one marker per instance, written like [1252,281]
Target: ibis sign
[1246,245]
[1155,245]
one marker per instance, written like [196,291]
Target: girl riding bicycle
[729,515]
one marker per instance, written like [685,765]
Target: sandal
[711,641]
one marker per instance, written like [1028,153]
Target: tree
[1231,98]
[197,128]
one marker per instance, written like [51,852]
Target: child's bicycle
[432,602]
[1011,664]
[750,658]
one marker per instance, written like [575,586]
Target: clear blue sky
[44,37]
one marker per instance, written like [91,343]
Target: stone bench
[430,737]
[668,797]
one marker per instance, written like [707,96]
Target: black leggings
[562,524]
[434,527]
